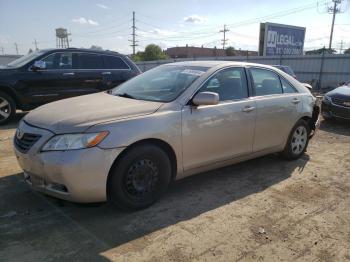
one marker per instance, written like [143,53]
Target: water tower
[62,38]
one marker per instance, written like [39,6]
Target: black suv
[49,75]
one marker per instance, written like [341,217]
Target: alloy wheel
[299,140]
[5,109]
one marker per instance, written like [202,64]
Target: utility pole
[2,50]
[333,10]
[133,45]
[36,44]
[341,46]
[224,40]
[16,46]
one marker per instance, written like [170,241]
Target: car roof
[73,49]
[281,66]
[216,63]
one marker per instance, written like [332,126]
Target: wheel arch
[313,119]
[10,92]
[153,141]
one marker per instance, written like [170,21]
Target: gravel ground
[266,209]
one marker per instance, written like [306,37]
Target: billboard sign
[282,39]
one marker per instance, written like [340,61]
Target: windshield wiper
[126,95]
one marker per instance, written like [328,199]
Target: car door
[116,71]
[90,73]
[52,82]
[277,108]
[219,132]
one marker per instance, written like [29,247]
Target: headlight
[74,141]
[327,99]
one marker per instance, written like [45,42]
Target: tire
[139,178]
[298,140]
[7,108]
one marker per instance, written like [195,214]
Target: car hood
[79,113]
[342,91]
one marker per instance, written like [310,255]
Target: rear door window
[65,61]
[90,61]
[265,82]
[114,62]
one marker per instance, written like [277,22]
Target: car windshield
[25,59]
[163,83]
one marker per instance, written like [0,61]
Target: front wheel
[298,140]
[139,178]
[7,108]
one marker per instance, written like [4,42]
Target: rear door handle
[296,101]
[106,73]
[248,109]
[68,74]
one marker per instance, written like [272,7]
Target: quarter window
[229,83]
[90,61]
[265,82]
[113,62]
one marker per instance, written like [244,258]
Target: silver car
[173,121]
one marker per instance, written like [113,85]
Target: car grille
[24,143]
[341,102]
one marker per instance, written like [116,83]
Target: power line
[224,40]
[238,24]
[104,35]
[179,37]
[106,29]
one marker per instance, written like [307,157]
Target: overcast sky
[166,23]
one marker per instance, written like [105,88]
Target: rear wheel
[298,140]
[7,108]
[139,178]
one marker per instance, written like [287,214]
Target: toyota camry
[179,119]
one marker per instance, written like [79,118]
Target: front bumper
[331,110]
[75,175]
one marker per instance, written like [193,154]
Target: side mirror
[308,86]
[38,65]
[206,98]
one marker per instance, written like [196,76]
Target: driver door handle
[296,101]
[106,73]
[248,109]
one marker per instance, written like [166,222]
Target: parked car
[49,75]
[286,69]
[167,123]
[336,103]
[289,71]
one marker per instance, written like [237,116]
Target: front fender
[164,126]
